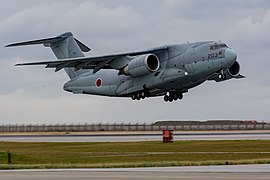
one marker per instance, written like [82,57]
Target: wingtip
[9,45]
[12,45]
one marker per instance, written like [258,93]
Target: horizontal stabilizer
[40,41]
[49,41]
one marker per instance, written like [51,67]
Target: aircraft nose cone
[230,55]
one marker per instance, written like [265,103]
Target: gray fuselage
[182,66]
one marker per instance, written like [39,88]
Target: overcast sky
[35,94]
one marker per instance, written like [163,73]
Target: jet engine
[234,69]
[231,72]
[142,65]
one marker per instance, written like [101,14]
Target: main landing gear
[140,95]
[173,96]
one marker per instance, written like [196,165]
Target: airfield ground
[96,133]
[132,154]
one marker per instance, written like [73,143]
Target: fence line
[126,127]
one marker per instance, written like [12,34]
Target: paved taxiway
[133,137]
[246,172]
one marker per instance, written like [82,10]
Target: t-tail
[64,46]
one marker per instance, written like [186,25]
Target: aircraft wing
[114,61]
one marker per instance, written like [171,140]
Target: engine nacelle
[234,69]
[142,65]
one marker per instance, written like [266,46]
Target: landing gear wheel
[143,94]
[170,98]
[222,76]
[166,98]
[133,96]
[138,96]
[175,96]
[180,96]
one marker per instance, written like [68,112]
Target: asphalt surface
[133,137]
[245,172]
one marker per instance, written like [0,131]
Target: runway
[246,172]
[135,137]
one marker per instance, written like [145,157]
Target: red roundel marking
[98,82]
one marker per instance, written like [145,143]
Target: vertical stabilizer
[64,46]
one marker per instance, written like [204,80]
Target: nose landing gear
[173,96]
[221,75]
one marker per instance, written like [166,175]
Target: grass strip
[132,154]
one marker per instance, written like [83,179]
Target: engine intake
[234,69]
[142,65]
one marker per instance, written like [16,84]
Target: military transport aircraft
[167,71]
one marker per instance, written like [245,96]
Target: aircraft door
[190,56]
[190,68]
[124,86]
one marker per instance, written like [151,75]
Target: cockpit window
[217,46]
[214,47]
[223,45]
